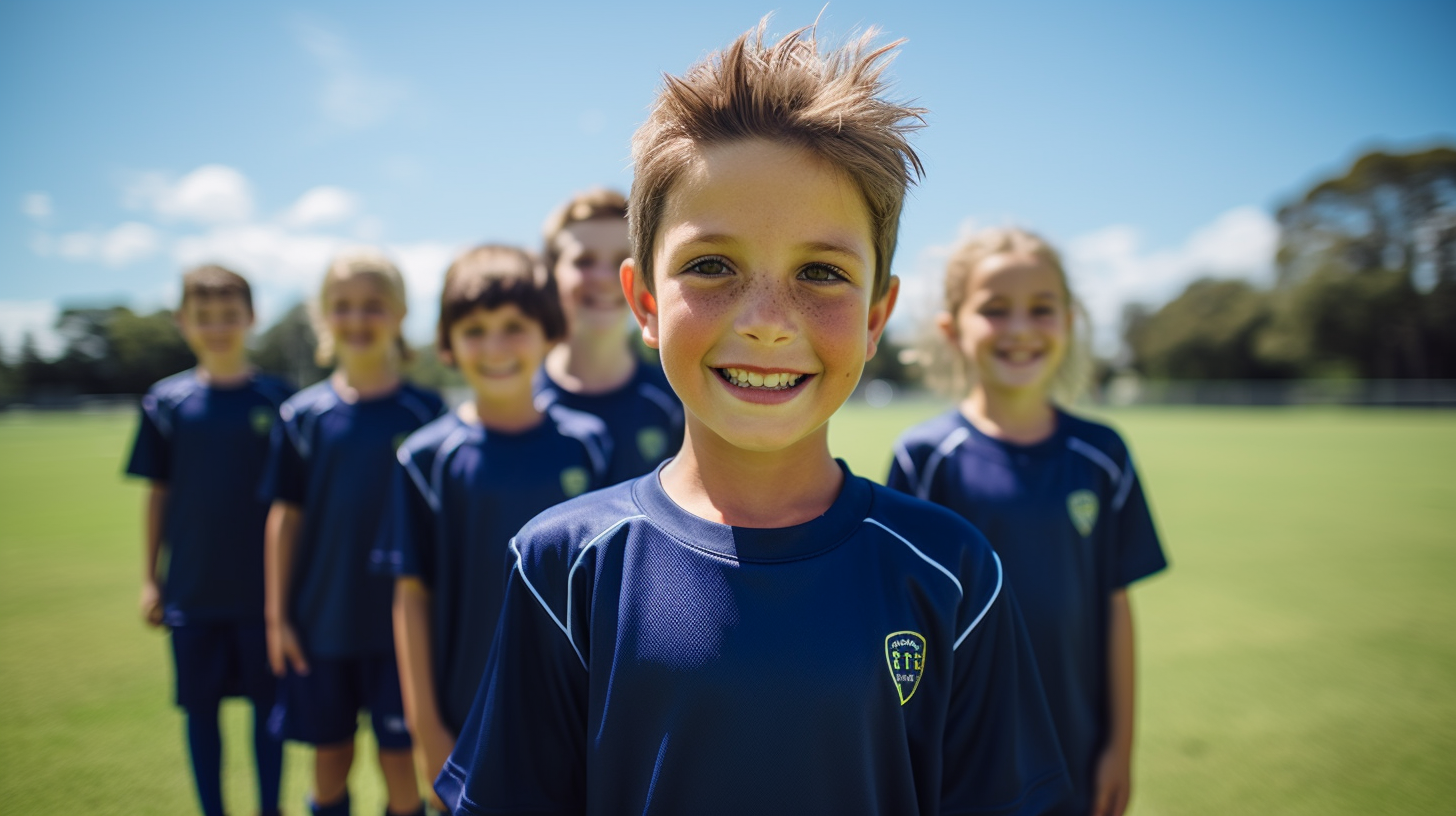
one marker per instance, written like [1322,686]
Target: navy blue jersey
[1070,522]
[648,661]
[461,491]
[644,417]
[208,445]
[334,459]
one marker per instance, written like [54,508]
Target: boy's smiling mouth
[771,381]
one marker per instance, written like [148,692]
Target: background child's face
[215,327]
[591,254]
[764,275]
[363,320]
[498,352]
[1014,324]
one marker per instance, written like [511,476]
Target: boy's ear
[643,303]
[880,312]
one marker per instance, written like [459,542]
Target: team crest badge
[1082,507]
[574,481]
[261,418]
[651,443]
[905,653]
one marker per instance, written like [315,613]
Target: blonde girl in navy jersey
[329,630]
[1057,495]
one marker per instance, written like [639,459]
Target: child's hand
[284,651]
[1113,785]
[435,742]
[151,604]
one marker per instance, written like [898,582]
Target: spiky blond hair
[829,104]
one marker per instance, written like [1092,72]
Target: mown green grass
[1298,658]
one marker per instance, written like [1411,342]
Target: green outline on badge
[890,664]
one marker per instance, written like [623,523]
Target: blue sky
[1151,141]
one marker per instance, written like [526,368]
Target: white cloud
[129,242]
[37,205]
[211,194]
[351,96]
[263,252]
[423,265]
[1110,267]
[34,317]
[119,246]
[321,206]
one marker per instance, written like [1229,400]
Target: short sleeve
[1137,551]
[151,451]
[407,537]
[523,747]
[1001,754]
[285,476]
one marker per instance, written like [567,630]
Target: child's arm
[156,509]
[1114,768]
[280,538]
[417,681]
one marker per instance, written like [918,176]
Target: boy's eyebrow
[722,239]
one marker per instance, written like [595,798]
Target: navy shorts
[213,660]
[322,707]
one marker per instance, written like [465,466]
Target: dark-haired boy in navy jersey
[596,368]
[751,628]
[202,442]
[468,481]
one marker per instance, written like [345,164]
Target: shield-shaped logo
[905,654]
[651,443]
[261,418]
[1082,507]
[574,481]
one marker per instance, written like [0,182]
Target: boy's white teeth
[753,379]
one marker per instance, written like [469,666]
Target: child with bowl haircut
[468,481]
[751,628]
[202,442]
[1057,495]
[597,369]
[330,635]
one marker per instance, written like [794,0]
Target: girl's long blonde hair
[361,262]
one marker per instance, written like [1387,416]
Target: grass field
[1298,658]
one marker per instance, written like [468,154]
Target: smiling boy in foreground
[751,628]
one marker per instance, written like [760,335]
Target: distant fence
[1406,393]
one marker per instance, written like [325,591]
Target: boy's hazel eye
[709,266]
[821,273]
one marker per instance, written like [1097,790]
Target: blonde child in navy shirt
[330,635]
[1057,496]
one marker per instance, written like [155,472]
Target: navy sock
[204,743]
[339,808]
[268,753]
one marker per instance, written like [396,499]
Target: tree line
[1365,288]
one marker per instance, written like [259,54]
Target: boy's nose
[765,315]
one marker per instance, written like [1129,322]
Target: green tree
[1210,331]
[287,348]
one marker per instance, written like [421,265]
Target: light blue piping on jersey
[1121,477]
[994,594]
[566,628]
[654,395]
[434,487]
[950,443]
[594,451]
